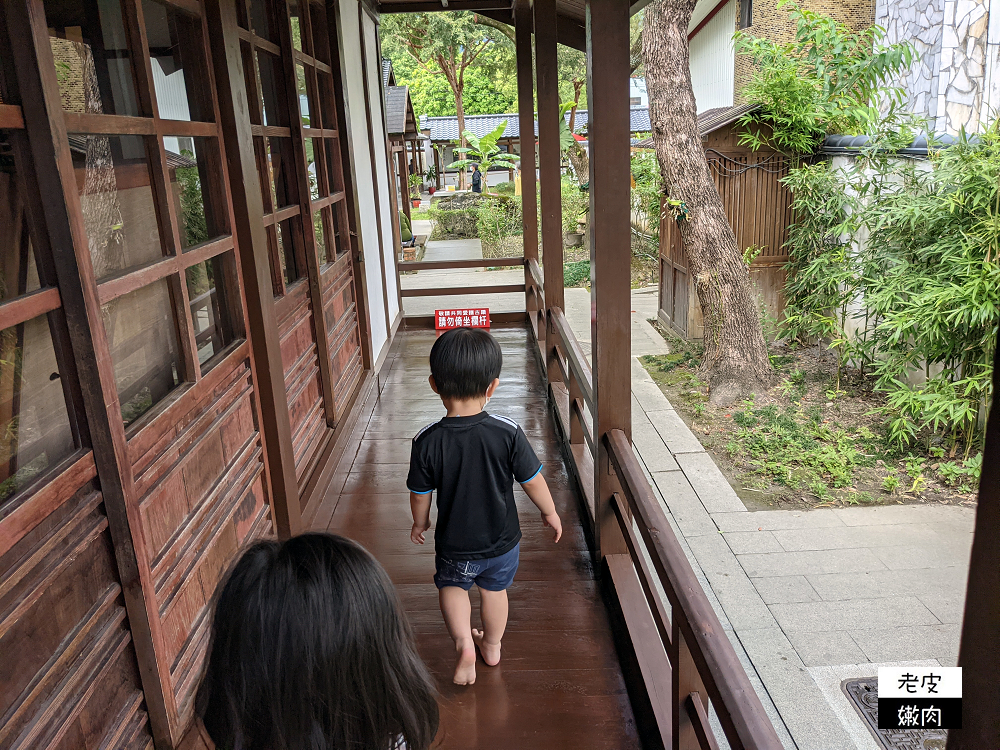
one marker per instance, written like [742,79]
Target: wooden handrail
[453,290]
[739,709]
[536,273]
[437,265]
[574,355]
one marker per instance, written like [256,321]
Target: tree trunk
[735,362]
[460,109]
[580,161]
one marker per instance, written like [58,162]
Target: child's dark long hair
[310,651]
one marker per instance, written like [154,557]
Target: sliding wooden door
[132,460]
[290,89]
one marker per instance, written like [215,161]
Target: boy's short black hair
[464,361]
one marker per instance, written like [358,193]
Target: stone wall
[956,82]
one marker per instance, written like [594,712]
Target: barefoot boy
[472,459]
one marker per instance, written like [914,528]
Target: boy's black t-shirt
[472,463]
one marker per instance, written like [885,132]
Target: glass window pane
[275,111]
[282,166]
[18,274]
[304,98]
[35,432]
[143,338]
[113,176]
[320,237]
[177,55]
[334,171]
[297,25]
[314,151]
[207,295]
[260,18]
[262,152]
[288,237]
[320,31]
[91,56]
[201,210]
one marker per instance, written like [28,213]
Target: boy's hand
[417,532]
[552,520]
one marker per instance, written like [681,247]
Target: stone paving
[808,598]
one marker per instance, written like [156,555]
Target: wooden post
[404,187]
[526,134]
[610,250]
[437,168]
[548,161]
[978,654]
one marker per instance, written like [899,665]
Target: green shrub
[500,227]
[576,274]
[504,188]
[575,205]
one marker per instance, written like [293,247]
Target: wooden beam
[978,653]
[610,249]
[569,31]
[526,118]
[549,162]
[248,210]
[453,5]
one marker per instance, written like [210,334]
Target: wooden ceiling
[571,14]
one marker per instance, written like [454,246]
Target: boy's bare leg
[493,609]
[457,611]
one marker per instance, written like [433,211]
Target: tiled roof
[708,121]
[386,71]
[395,109]
[638,120]
[446,128]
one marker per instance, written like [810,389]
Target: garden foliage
[893,261]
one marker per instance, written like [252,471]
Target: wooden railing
[685,661]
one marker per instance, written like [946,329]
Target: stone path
[808,598]
[458,250]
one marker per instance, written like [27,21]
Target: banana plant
[484,151]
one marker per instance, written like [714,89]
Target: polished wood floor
[559,684]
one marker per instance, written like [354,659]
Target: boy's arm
[538,492]
[420,507]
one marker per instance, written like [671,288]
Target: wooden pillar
[548,161]
[610,251]
[437,168]
[978,654]
[526,124]
[404,187]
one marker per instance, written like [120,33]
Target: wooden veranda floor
[559,684]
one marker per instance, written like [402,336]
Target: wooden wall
[759,210]
[114,537]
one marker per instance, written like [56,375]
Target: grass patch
[807,442]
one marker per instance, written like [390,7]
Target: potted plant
[416,181]
[431,178]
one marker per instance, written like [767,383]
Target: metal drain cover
[864,696]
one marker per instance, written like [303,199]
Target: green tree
[448,44]
[830,79]
[483,151]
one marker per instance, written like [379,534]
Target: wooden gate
[132,458]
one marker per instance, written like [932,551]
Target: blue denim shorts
[492,573]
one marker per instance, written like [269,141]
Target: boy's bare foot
[465,665]
[490,651]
